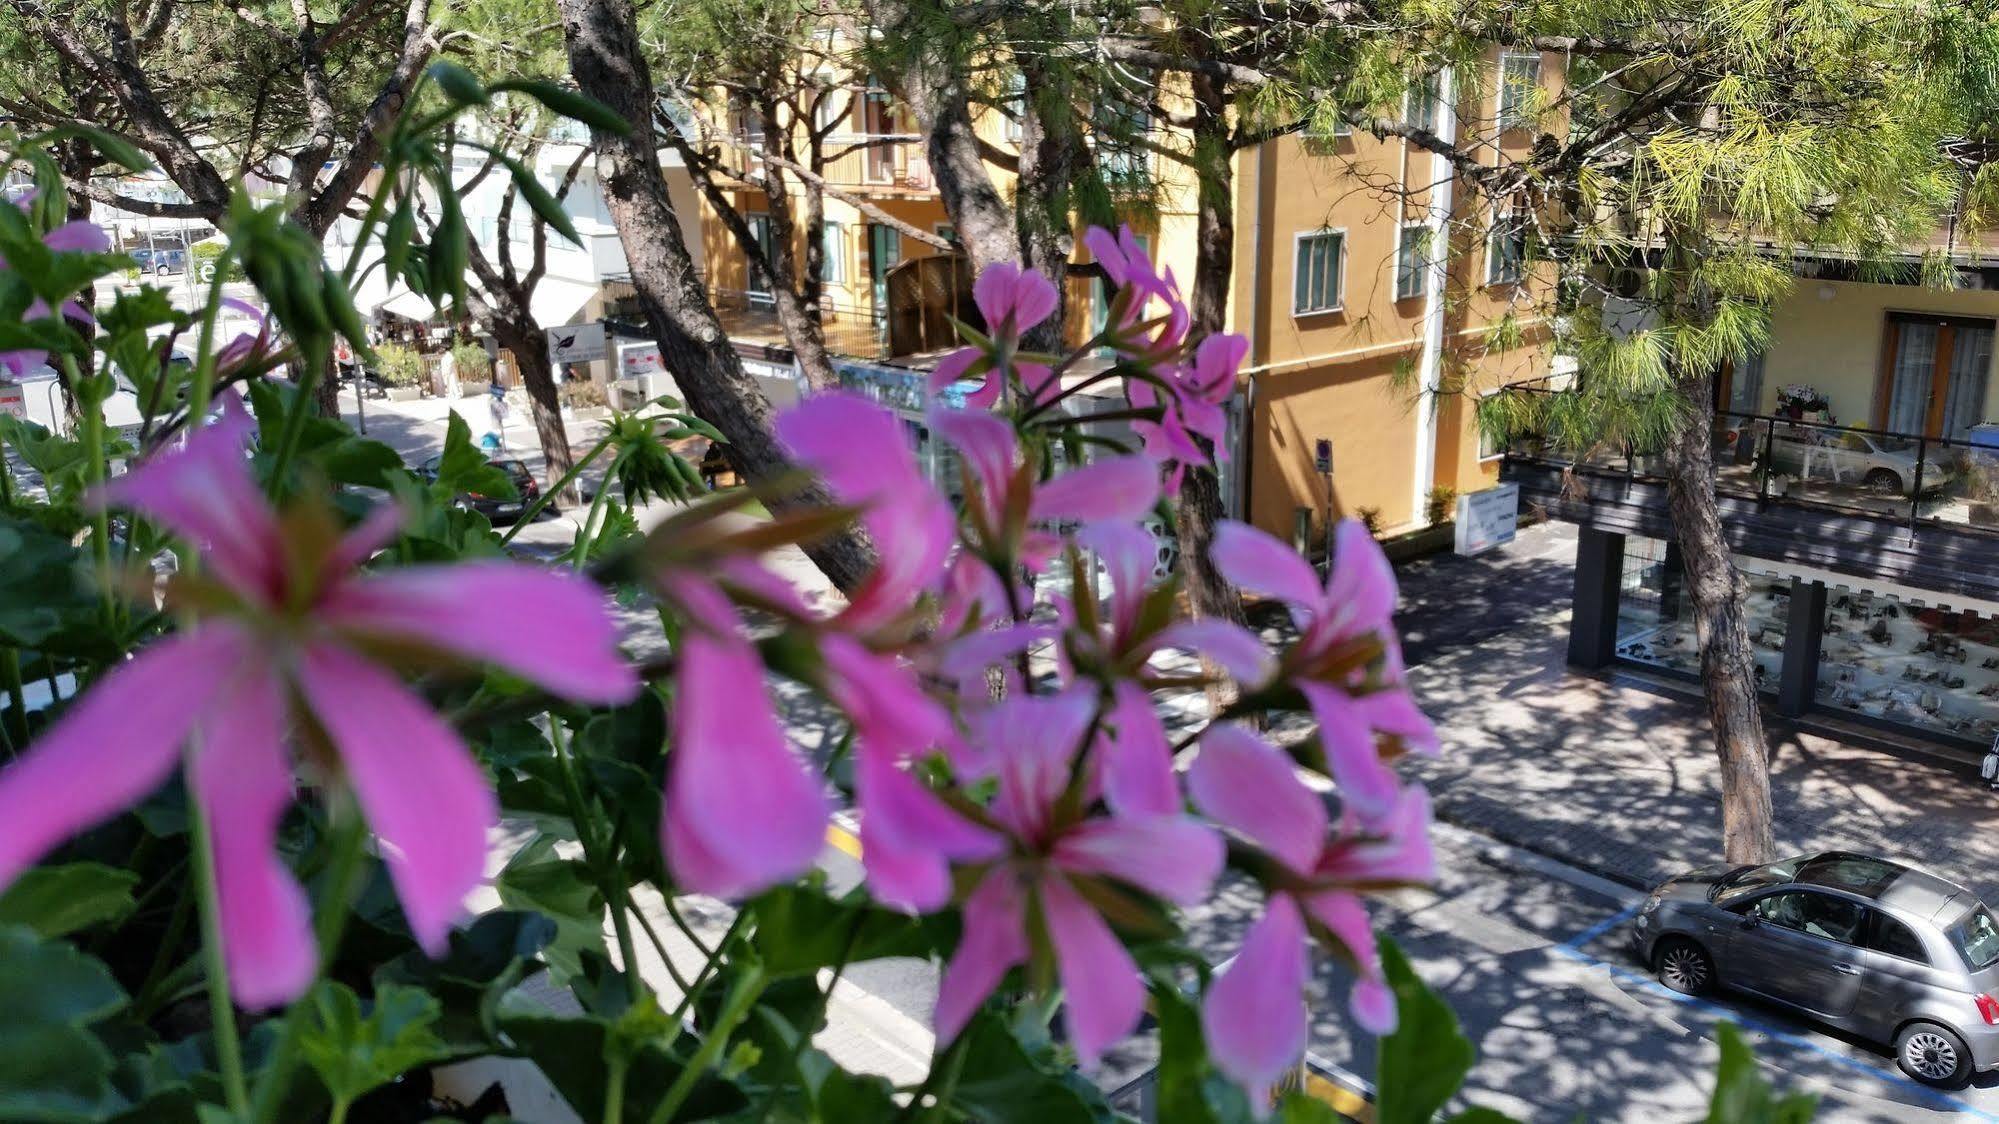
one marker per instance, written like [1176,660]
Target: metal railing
[848,329]
[1771,458]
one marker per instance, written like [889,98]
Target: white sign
[577,343]
[14,400]
[635,360]
[1488,519]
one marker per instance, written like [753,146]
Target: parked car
[161,262]
[526,491]
[1873,947]
[1886,465]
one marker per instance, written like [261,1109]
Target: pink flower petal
[78,236]
[1119,488]
[376,530]
[1254,1012]
[890,711]
[1031,740]
[994,294]
[1368,787]
[994,940]
[751,810]
[1103,998]
[204,492]
[1261,563]
[987,445]
[1362,587]
[1134,758]
[545,625]
[1393,711]
[1129,554]
[952,368]
[1245,783]
[1171,856]
[1108,253]
[1345,917]
[1400,852]
[1216,361]
[243,779]
[909,837]
[1239,651]
[422,793]
[114,745]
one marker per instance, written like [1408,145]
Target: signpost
[577,343]
[1488,519]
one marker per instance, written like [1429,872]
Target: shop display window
[1655,622]
[1887,659]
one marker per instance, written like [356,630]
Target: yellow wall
[1829,334]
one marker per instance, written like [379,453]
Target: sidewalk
[1619,776]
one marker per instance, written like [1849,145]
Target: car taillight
[1988,1007]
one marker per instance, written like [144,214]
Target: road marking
[1935,1096]
[1345,1101]
[1602,927]
[843,840]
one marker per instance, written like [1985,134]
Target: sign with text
[577,343]
[1322,457]
[1488,519]
[639,359]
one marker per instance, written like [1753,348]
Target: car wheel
[1884,481]
[1933,1055]
[1684,966]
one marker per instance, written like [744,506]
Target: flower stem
[222,1015]
[10,662]
[594,853]
[203,387]
[94,470]
[614,1087]
[741,997]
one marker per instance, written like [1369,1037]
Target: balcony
[891,164]
[752,317]
[1901,508]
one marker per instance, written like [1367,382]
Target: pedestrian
[448,367]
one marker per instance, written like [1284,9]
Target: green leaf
[1002,1083]
[1425,1061]
[572,1052]
[545,204]
[1741,1093]
[46,585]
[458,83]
[353,1052]
[1188,1088]
[563,890]
[115,148]
[57,900]
[463,467]
[51,1067]
[1479,1114]
[800,929]
[570,104]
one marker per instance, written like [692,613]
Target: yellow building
[1363,336]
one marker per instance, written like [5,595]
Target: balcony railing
[893,163]
[1918,480]
[849,330]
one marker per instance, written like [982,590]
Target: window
[833,248]
[1506,250]
[1422,101]
[947,232]
[1977,938]
[1519,83]
[830,112]
[1016,104]
[1412,261]
[1122,124]
[1490,445]
[759,285]
[1885,934]
[1316,272]
[1821,915]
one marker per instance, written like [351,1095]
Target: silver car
[1873,947]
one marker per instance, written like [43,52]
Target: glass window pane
[1894,938]
[1915,364]
[1970,365]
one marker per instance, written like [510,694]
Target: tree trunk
[934,89]
[1715,591]
[526,340]
[1200,506]
[1048,144]
[604,56]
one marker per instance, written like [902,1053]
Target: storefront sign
[638,359]
[14,400]
[898,388]
[577,343]
[1488,519]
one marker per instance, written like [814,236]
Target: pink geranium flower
[74,237]
[1013,301]
[287,653]
[1055,853]
[1340,622]
[1254,1015]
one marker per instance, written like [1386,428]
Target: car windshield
[1977,938]
[1756,878]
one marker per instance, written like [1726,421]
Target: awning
[410,305]
[556,302]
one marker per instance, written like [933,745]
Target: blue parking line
[1602,927]
[1936,1097]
